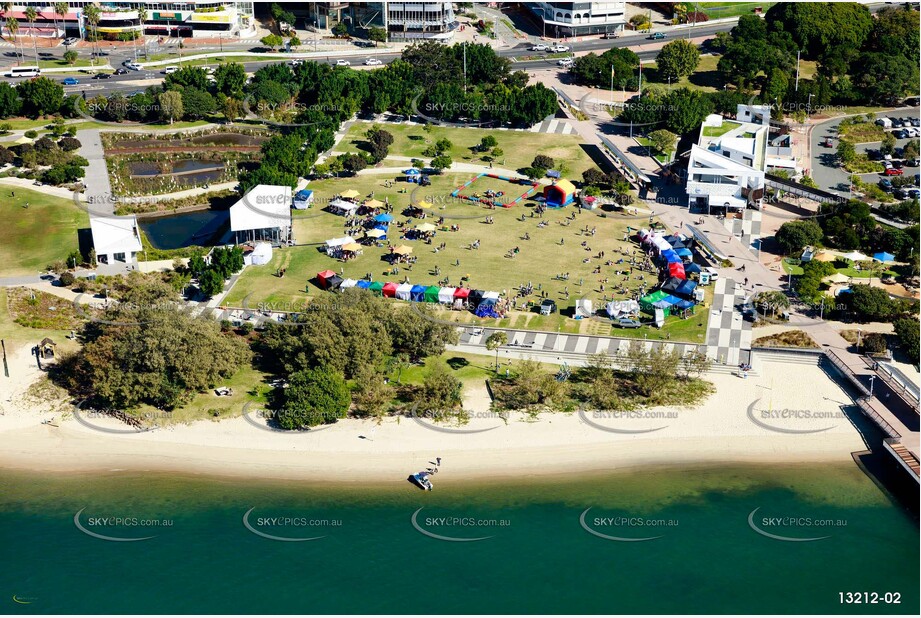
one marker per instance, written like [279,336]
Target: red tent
[324,277]
[390,289]
[461,293]
[676,269]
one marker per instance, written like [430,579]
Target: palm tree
[92,13]
[31,14]
[12,26]
[142,17]
[496,341]
[60,8]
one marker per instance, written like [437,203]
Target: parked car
[912,162]
[914,194]
[656,36]
[295,62]
[916,122]
[70,81]
[627,323]
[899,134]
[565,62]
[71,40]
[132,65]
[885,184]
[547,306]
[874,155]
[170,70]
[893,171]
[539,47]
[343,63]
[900,194]
[373,62]
[121,71]
[749,313]
[886,123]
[611,35]
[557,48]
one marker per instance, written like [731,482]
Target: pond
[201,227]
[184,172]
[216,139]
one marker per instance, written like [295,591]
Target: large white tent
[264,213]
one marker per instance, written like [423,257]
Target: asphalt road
[825,170]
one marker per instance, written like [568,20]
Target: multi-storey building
[123,19]
[565,19]
[402,20]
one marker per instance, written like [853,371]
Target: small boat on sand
[422,480]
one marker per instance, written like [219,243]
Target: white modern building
[727,166]
[115,239]
[264,213]
[402,20]
[122,20]
[564,19]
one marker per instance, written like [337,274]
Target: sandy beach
[789,413]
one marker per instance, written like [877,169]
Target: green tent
[647,302]
[431,294]
[377,288]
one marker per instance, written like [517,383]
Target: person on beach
[438,460]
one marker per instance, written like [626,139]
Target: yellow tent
[376,233]
[426,227]
[351,194]
[403,250]
[352,246]
[374,204]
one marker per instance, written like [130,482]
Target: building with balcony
[565,19]
[726,167]
[402,20]
[123,20]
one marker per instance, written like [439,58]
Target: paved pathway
[97,189]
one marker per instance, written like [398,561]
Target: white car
[170,70]
[296,62]
[71,40]
[209,70]
[559,48]
[132,65]
[539,47]
[373,62]
[343,63]
[564,62]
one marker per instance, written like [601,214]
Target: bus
[32,71]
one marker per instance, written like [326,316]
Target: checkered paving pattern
[729,337]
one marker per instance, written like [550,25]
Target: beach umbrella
[402,250]
[426,228]
[351,194]
[384,218]
[883,256]
[376,233]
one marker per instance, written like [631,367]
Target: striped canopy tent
[404,292]
[431,294]
[376,287]
[390,289]
[417,294]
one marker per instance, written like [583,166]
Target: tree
[907,331]
[230,79]
[211,283]
[440,393]
[664,141]
[340,30]
[792,236]
[170,105]
[487,142]
[687,110]
[196,104]
[231,108]
[272,41]
[695,363]
[377,34]
[60,10]
[31,15]
[441,163]
[652,369]
[187,77]
[871,303]
[353,162]
[398,363]
[677,59]
[771,301]
[92,13]
[594,176]
[496,341]
[543,161]
[70,56]
[846,152]
[314,397]
[12,26]
[888,145]
[874,343]
[443,145]
[10,104]
[40,96]
[372,394]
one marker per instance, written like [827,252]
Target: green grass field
[34,237]
[705,78]
[721,10]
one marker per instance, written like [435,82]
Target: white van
[714,274]
[884,122]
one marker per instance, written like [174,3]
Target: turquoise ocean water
[703,556]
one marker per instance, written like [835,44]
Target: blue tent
[670,256]
[684,252]
[417,293]
[384,218]
[883,256]
[671,300]
[412,172]
[691,268]
[686,288]
[684,304]
[364,285]
[553,174]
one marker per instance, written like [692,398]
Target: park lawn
[704,78]
[59,63]
[791,268]
[721,10]
[882,271]
[662,158]
[519,147]
[34,237]
[465,367]
[15,335]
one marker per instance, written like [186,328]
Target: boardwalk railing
[847,371]
[869,412]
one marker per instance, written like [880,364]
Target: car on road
[626,323]
[70,81]
[71,40]
[557,49]
[912,162]
[121,71]
[539,47]
[343,63]
[885,184]
[656,36]
[296,62]
[892,171]
[827,142]
[132,65]
[565,62]
[373,62]
[363,43]
[611,35]
[170,70]
[102,76]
